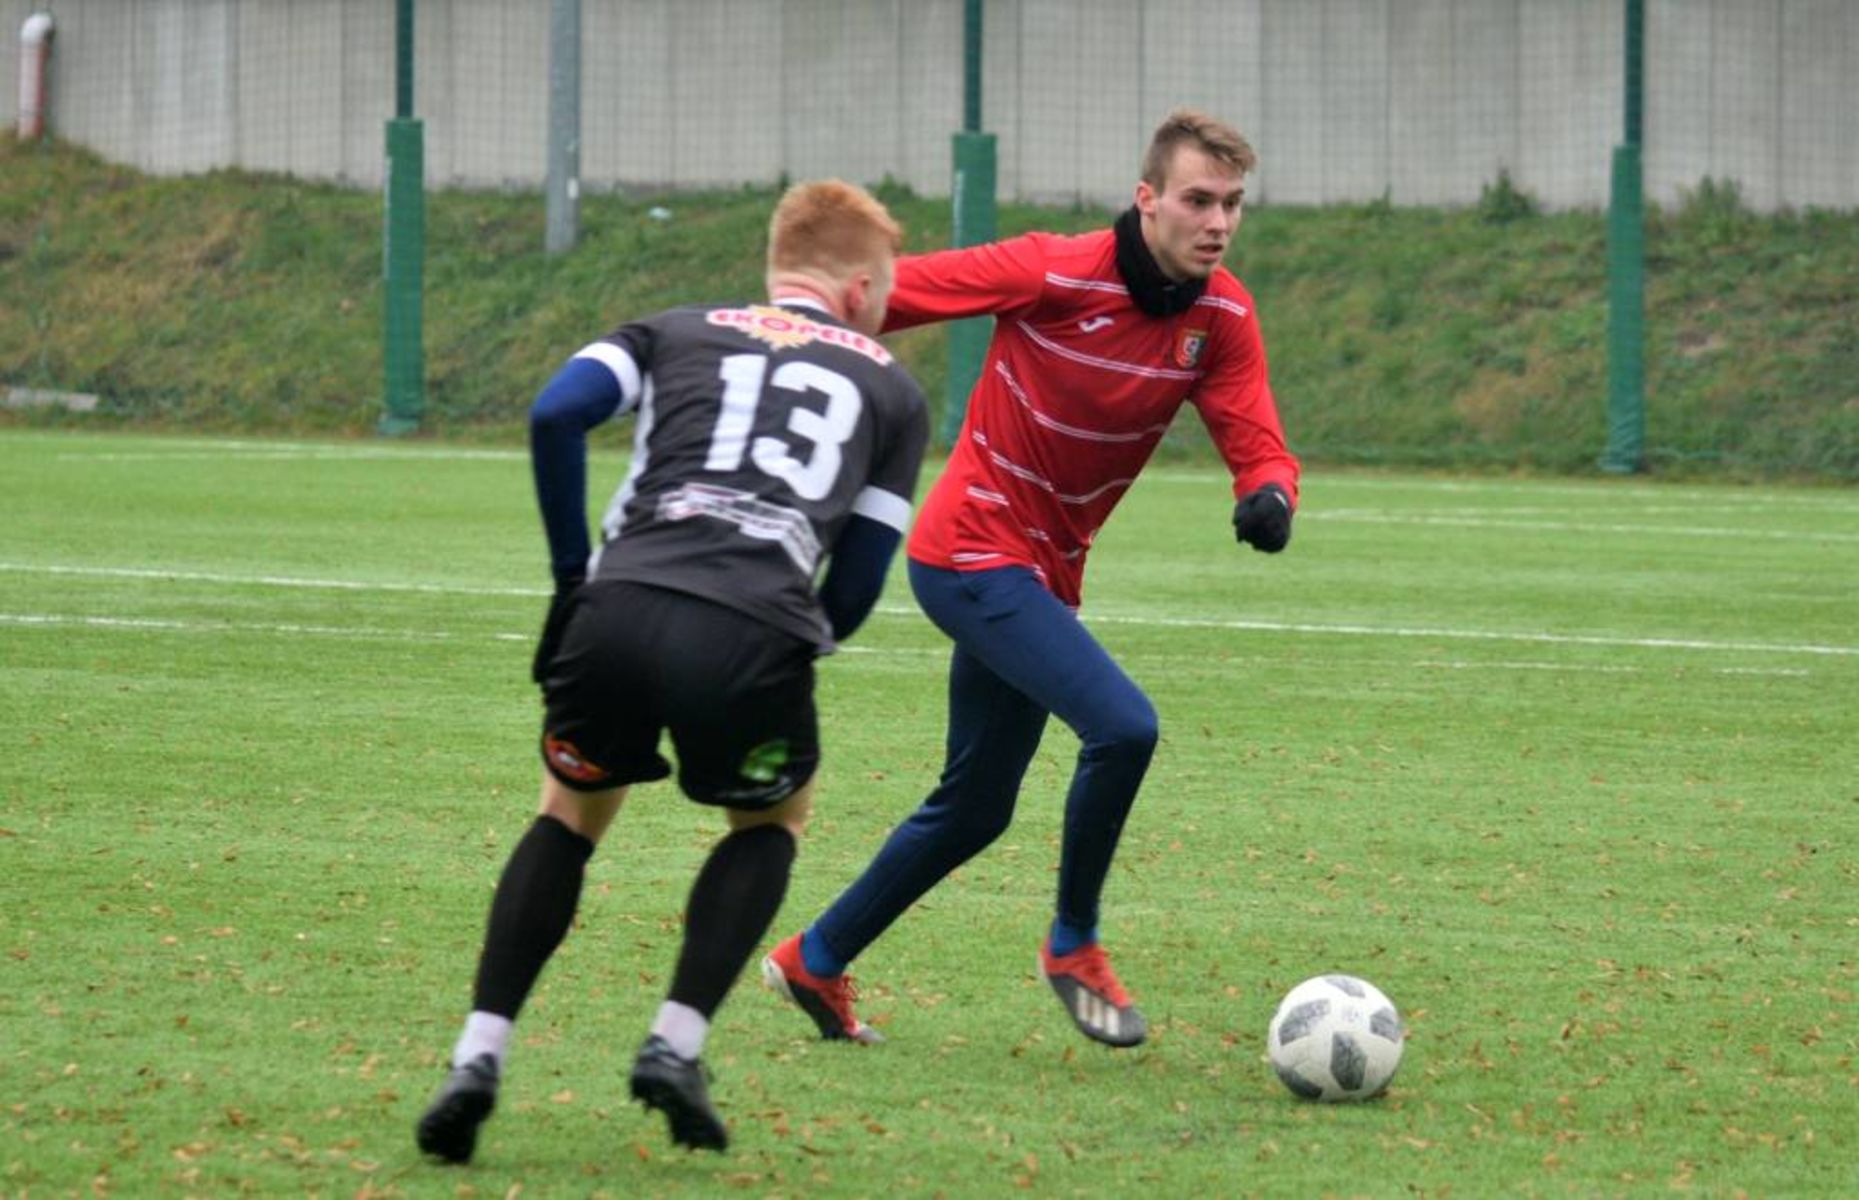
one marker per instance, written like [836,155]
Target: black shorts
[735,693]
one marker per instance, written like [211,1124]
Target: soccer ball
[1335,1037]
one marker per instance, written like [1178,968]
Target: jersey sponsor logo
[1095,324]
[757,518]
[569,762]
[783,330]
[1188,347]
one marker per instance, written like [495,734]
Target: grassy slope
[1401,336]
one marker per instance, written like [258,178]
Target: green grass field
[1569,768]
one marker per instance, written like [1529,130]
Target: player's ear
[857,292]
[1145,198]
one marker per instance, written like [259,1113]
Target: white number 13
[828,431]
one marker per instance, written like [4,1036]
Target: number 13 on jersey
[745,377]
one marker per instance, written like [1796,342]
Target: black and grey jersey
[760,430]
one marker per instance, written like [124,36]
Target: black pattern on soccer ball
[1348,985]
[1298,1021]
[1348,1063]
[1301,1087]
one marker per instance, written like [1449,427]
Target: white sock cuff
[682,1027]
[485,1033]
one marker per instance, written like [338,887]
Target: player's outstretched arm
[582,395]
[1263,518]
[947,285]
[855,575]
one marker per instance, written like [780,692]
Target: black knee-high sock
[732,904]
[530,915]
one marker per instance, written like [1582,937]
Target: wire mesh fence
[1418,101]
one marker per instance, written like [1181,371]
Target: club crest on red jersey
[1188,346]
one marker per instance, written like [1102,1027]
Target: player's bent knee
[1133,733]
[587,813]
[982,825]
[791,813]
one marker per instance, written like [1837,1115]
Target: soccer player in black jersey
[771,440]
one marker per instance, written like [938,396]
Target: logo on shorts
[763,764]
[569,762]
[1188,347]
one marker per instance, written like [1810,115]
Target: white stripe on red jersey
[1097,285]
[1019,393]
[1107,364]
[1238,310]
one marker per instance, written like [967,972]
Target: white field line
[280,581]
[1841,499]
[1138,619]
[1687,509]
[366,633]
[1599,669]
[1191,662]
[1366,517]
[1744,499]
[168,625]
[1551,639]
[299,454]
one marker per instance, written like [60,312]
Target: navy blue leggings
[1019,655]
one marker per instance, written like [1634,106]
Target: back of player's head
[831,228]
[1192,127]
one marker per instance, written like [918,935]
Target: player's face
[1191,219]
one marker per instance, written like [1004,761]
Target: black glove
[561,605]
[1263,517]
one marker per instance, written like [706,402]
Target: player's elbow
[551,413]
[855,578]
[580,396]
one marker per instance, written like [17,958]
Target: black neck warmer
[1153,292]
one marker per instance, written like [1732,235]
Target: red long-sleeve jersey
[1078,387]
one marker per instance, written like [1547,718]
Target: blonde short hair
[832,228]
[1192,127]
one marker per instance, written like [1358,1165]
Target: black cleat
[675,1086]
[449,1129]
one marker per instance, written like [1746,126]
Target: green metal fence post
[1626,274]
[404,245]
[974,162]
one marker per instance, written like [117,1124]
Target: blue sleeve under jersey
[855,574]
[582,395]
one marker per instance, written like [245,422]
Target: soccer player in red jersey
[1098,341]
